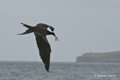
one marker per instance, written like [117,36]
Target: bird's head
[46,26]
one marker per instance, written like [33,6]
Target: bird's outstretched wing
[44,49]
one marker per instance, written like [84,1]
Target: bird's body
[40,31]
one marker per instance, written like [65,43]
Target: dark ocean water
[59,71]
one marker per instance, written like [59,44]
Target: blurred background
[81,26]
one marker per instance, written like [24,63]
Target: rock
[100,57]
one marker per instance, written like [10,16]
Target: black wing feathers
[44,49]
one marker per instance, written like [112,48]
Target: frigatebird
[40,31]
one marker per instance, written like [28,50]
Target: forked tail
[30,29]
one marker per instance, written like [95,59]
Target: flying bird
[40,32]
